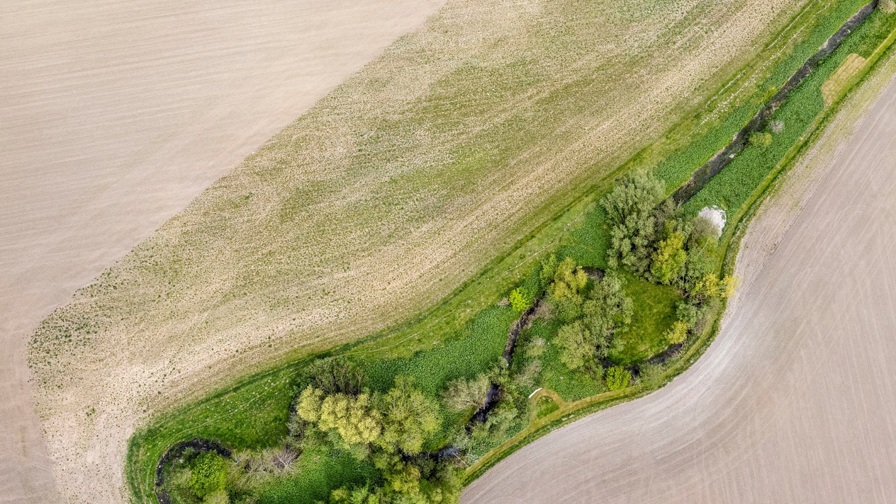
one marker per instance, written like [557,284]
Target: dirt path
[794,400]
[113,116]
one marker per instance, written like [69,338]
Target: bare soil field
[113,116]
[793,400]
[381,200]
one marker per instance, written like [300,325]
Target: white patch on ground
[715,216]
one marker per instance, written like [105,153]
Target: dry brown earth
[113,116]
[794,400]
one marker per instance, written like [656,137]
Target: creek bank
[493,395]
[199,445]
[761,120]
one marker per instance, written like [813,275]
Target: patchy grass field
[461,155]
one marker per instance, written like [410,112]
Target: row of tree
[390,429]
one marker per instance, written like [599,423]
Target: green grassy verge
[460,336]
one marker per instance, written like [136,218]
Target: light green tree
[360,495]
[669,259]
[564,292]
[568,281]
[677,333]
[520,299]
[617,378]
[409,418]
[208,474]
[308,406]
[352,418]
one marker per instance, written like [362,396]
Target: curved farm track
[794,401]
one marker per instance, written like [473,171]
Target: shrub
[217,497]
[617,378]
[208,474]
[688,313]
[703,233]
[520,299]
[677,333]
[761,139]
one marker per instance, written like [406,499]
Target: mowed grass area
[644,338]
[577,233]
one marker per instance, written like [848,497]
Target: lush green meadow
[464,335]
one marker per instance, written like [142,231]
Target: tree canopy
[409,418]
[631,209]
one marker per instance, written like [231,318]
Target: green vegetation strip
[570,412]
[253,414]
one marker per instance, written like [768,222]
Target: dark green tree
[607,311]
[631,209]
[577,347]
[464,394]
[336,375]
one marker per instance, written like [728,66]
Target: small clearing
[842,78]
